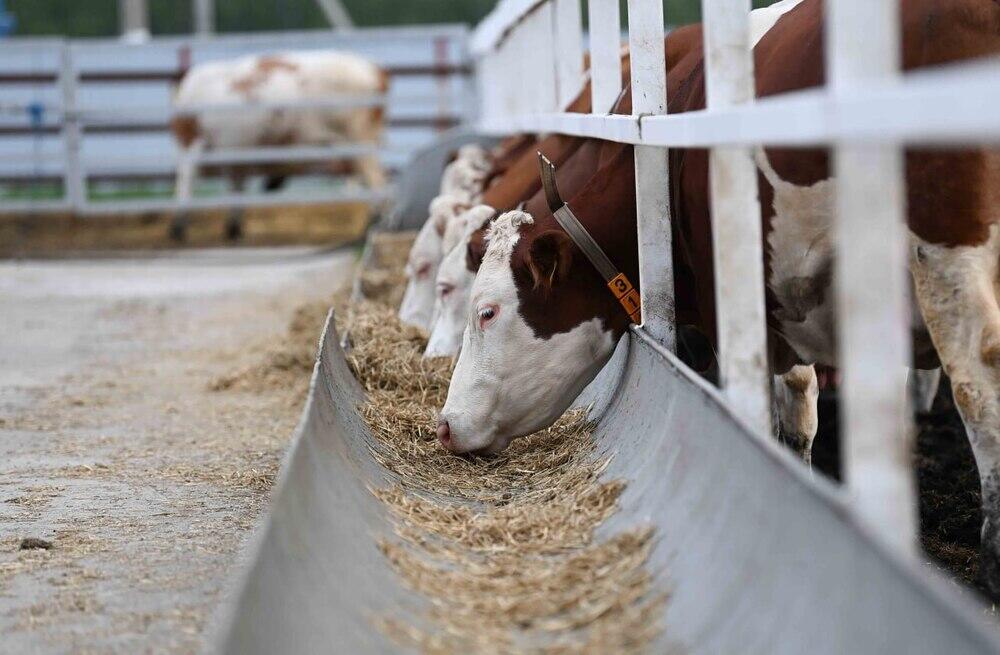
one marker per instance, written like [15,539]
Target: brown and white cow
[454,277]
[519,180]
[278,78]
[461,186]
[541,322]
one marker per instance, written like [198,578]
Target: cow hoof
[178,231]
[234,229]
[989,559]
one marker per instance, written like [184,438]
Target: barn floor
[118,451]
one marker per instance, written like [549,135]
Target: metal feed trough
[98,110]
[758,555]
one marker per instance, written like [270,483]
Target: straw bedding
[502,548]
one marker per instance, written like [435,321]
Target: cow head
[454,283]
[457,226]
[538,327]
[425,257]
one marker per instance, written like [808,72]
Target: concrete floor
[113,448]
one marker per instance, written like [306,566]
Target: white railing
[73,113]
[867,113]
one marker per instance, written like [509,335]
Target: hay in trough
[502,548]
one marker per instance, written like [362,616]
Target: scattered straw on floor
[502,548]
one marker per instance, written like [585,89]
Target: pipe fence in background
[529,59]
[78,113]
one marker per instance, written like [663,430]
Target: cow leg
[187,174]
[923,386]
[274,183]
[371,171]
[957,290]
[795,396]
[234,220]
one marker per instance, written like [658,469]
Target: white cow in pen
[289,77]
[461,187]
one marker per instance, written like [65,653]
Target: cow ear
[475,251]
[440,223]
[549,257]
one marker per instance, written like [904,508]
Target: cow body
[537,304]
[279,78]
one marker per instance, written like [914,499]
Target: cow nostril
[444,433]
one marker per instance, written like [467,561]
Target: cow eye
[487,314]
[424,269]
[444,289]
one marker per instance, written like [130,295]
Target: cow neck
[618,283]
[606,209]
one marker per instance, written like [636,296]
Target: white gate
[529,58]
[78,113]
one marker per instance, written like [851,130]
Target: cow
[454,277]
[277,78]
[541,322]
[511,179]
[519,180]
[452,284]
[461,185]
[425,256]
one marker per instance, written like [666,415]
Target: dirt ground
[138,479]
[947,482]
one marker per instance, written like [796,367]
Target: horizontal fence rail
[91,111]
[867,114]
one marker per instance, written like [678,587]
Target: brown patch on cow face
[265,67]
[185,129]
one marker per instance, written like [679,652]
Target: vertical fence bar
[871,278]
[134,18]
[605,21]
[736,228]
[204,17]
[74,180]
[652,184]
[569,50]
[515,72]
[487,84]
[508,69]
[538,59]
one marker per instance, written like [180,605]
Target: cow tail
[378,113]
[764,164]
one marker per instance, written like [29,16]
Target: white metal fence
[529,59]
[78,113]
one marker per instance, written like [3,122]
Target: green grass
[135,191]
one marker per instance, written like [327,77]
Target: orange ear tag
[628,296]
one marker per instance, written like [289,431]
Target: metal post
[336,13]
[204,17]
[74,178]
[605,53]
[871,277]
[134,18]
[736,228]
[569,50]
[652,185]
